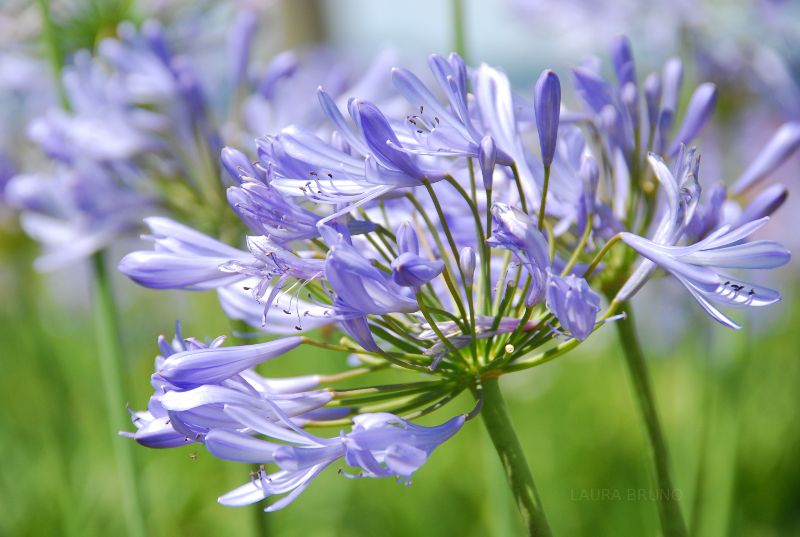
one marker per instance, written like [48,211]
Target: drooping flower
[379,445]
[574,304]
[697,266]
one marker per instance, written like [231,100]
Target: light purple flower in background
[74,211]
[781,146]
[622,58]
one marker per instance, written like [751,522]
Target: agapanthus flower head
[440,242]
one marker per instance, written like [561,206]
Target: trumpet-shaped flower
[697,266]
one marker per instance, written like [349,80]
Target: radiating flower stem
[109,350]
[498,424]
[543,202]
[669,510]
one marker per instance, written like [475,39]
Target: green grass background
[728,400]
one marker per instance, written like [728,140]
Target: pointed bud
[411,270]
[239,41]
[237,164]
[487,157]
[764,204]
[701,106]
[780,147]
[622,58]
[630,99]
[407,241]
[589,174]
[662,129]
[547,106]
[213,365]
[652,96]
[671,87]
[466,260]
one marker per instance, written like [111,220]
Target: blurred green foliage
[729,407]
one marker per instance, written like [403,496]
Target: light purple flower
[516,231]
[379,445]
[360,287]
[697,266]
[182,259]
[574,304]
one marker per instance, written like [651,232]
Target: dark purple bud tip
[622,57]
[547,106]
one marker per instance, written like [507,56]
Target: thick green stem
[109,350]
[667,496]
[498,424]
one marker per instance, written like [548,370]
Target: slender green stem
[51,42]
[540,222]
[669,511]
[521,191]
[396,358]
[448,272]
[599,257]
[500,429]
[459,37]
[109,349]
[435,327]
[579,248]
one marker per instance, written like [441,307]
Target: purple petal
[208,366]
[780,147]
[235,446]
[701,106]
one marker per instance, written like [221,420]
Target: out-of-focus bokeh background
[729,400]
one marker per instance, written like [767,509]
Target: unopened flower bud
[466,260]
[547,106]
